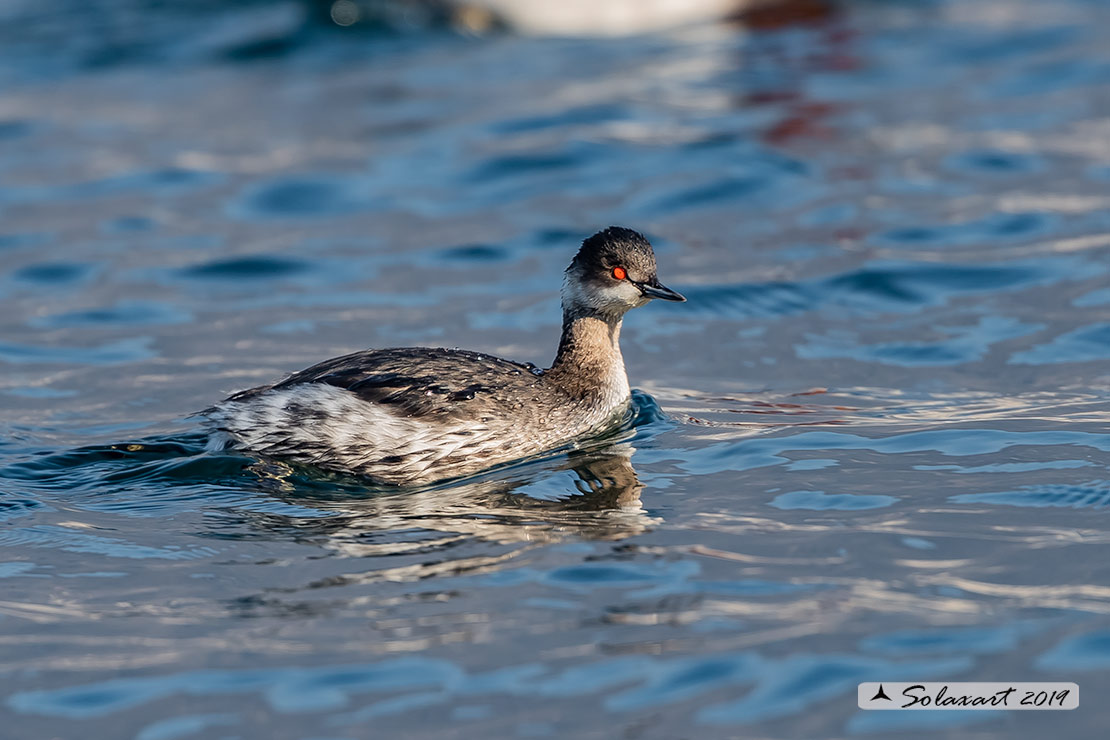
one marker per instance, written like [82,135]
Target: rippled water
[871,446]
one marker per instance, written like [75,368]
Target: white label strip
[968,695]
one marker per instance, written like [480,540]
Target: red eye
[619,273]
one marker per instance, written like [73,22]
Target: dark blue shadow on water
[257,267]
[304,197]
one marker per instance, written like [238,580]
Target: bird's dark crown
[615,247]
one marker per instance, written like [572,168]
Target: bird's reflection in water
[591,494]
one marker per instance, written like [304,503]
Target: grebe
[413,416]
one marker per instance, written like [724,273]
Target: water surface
[872,445]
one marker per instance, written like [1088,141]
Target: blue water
[872,445]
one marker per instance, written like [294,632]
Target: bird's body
[416,415]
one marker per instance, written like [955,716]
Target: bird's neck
[589,355]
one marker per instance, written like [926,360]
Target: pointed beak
[655,290]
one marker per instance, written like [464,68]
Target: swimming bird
[416,415]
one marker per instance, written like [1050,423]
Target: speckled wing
[419,382]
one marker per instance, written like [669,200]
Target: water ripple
[1085,344]
[72,541]
[821,501]
[118,352]
[878,449]
[1092,495]
[781,686]
[884,287]
[749,454]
